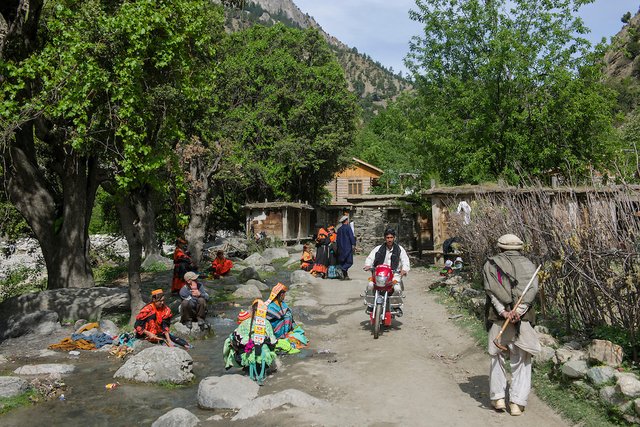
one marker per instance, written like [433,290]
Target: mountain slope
[369,80]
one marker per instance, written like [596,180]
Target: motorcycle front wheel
[376,321]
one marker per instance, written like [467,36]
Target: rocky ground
[424,370]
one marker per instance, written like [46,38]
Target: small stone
[636,406]
[178,417]
[258,284]
[247,292]
[600,374]
[45,369]
[575,368]
[228,391]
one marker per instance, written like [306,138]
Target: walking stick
[496,341]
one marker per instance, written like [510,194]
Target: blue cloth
[281,318]
[346,241]
[98,339]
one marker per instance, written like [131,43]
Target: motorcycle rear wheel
[376,321]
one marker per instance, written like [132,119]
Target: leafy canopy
[285,106]
[508,87]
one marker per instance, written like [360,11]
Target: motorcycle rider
[392,254]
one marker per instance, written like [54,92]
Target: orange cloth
[154,320]
[306,261]
[181,262]
[221,266]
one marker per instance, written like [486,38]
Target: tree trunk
[60,223]
[145,213]
[131,226]
[197,222]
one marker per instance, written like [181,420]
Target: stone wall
[370,223]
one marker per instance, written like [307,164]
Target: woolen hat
[510,242]
[190,275]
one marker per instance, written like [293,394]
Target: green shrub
[107,273]
[9,403]
[156,267]
[21,281]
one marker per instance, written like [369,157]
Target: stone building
[371,214]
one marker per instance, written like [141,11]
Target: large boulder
[606,352]
[258,284]
[12,386]
[247,292]
[158,364]
[271,254]
[54,369]
[39,322]
[255,260]
[178,417]
[575,368]
[228,391]
[629,386]
[286,397]
[16,314]
[248,273]
[600,374]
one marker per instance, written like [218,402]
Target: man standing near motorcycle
[392,254]
[508,276]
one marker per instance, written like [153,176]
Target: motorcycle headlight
[381,280]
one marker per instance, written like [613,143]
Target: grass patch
[221,295]
[9,403]
[156,267]
[168,385]
[107,273]
[579,409]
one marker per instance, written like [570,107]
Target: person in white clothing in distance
[392,254]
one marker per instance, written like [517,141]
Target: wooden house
[356,180]
[289,222]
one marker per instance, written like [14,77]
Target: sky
[382,28]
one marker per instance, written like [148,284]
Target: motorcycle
[383,298]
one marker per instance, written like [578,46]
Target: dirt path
[424,371]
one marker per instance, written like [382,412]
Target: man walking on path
[506,276]
[346,242]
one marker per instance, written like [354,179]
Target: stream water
[88,403]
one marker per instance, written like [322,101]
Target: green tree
[509,88]
[94,94]
[285,107]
